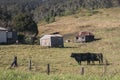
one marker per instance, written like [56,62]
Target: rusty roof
[84,33]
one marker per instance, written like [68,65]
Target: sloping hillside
[85,20]
[40,9]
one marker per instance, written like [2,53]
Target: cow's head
[99,55]
[72,55]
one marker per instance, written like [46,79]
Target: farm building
[12,36]
[52,40]
[3,35]
[84,37]
[7,36]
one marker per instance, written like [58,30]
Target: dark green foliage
[24,23]
[5,17]
[49,19]
[21,38]
[41,9]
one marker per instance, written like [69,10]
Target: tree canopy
[5,17]
[24,23]
[44,8]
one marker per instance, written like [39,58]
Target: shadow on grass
[100,64]
[97,39]
[70,47]
[43,47]
[103,64]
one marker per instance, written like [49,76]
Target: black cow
[81,57]
[96,57]
[87,57]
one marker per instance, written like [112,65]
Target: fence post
[30,64]
[82,70]
[48,69]
[14,63]
[105,67]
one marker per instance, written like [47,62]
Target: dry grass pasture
[83,21]
[105,25]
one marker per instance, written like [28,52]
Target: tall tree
[24,23]
[5,17]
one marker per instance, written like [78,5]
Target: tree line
[23,15]
[45,9]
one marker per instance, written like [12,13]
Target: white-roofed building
[52,40]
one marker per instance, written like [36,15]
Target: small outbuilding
[7,36]
[52,40]
[3,35]
[84,37]
[12,36]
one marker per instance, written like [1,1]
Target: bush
[49,19]
[21,38]
[24,23]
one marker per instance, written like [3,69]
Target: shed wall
[9,34]
[85,38]
[3,37]
[45,42]
[12,37]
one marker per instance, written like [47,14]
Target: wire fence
[92,69]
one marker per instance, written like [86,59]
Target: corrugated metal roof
[49,36]
[84,33]
[3,29]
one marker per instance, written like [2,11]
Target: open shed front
[57,42]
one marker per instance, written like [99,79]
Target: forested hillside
[41,9]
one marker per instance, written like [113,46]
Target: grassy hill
[104,23]
[84,21]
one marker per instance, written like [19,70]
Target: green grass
[16,75]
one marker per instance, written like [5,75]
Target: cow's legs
[100,61]
[93,62]
[80,62]
[88,62]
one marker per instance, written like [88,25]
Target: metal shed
[52,40]
[3,35]
[12,36]
[84,37]
[7,36]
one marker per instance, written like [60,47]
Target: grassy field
[15,75]
[105,25]
[59,58]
